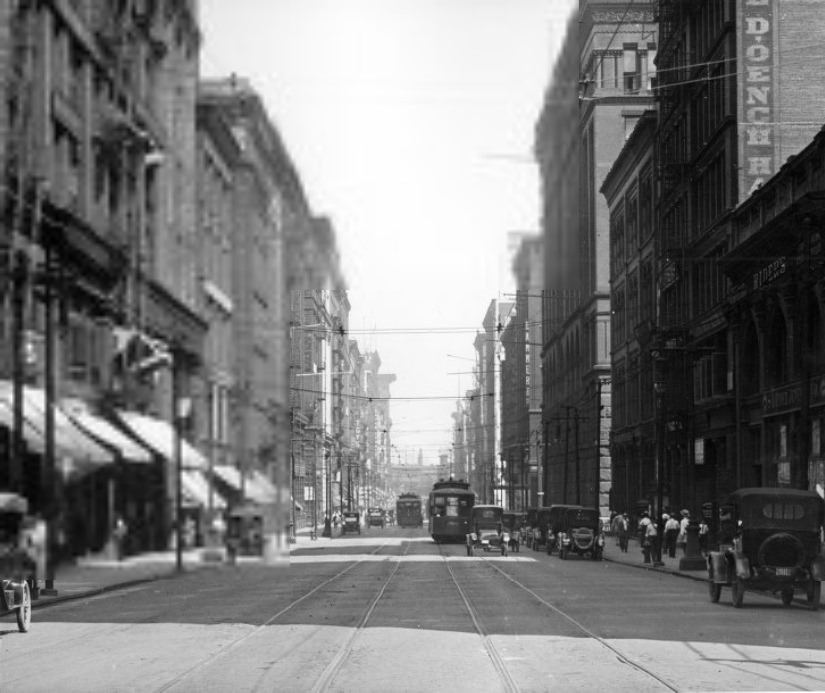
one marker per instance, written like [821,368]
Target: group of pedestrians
[653,546]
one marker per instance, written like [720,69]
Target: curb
[113,587]
[53,601]
[657,569]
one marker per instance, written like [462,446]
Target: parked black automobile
[375,517]
[769,539]
[581,533]
[554,522]
[350,522]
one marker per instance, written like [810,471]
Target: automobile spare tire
[781,550]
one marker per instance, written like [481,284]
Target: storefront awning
[256,486]
[195,490]
[100,429]
[159,436]
[229,474]
[34,440]
[69,441]
[262,490]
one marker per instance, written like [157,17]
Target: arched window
[749,370]
[776,351]
[814,342]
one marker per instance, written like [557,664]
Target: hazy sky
[411,124]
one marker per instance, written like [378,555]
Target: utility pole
[19,290]
[50,476]
[566,451]
[578,466]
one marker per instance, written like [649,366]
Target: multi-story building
[608,53]
[312,437]
[376,426]
[218,156]
[98,133]
[528,270]
[474,436]
[461,448]
[776,315]
[734,104]
[487,475]
[266,195]
[630,192]
[513,416]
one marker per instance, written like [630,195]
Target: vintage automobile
[769,539]
[486,530]
[375,518]
[16,565]
[350,522]
[581,533]
[554,521]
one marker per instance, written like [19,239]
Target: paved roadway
[392,611]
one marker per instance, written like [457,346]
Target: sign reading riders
[756,102]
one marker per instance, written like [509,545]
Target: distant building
[601,85]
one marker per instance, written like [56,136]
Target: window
[631,69]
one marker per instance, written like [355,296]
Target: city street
[391,610]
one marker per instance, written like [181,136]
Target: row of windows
[631,70]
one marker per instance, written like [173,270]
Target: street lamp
[659,389]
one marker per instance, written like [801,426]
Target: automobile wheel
[737,592]
[787,597]
[714,589]
[24,613]
[814,593]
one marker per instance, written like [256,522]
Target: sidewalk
[91,575]
[635,557]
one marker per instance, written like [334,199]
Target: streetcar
[408,511]
[450,503]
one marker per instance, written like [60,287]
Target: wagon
[16,566]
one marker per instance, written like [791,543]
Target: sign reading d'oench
[757,70]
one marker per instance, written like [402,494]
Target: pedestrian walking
[681,540]
[622,531]
[119,532]
[642,526]
[650,540]
[704,532]
[671,535]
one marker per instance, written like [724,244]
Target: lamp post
[176,425]
[659,388]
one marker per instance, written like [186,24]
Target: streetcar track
[623,658]
[231,646]
[334,667]
[489,646]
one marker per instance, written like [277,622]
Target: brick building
[99,228]
[606,67]
[736,98]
